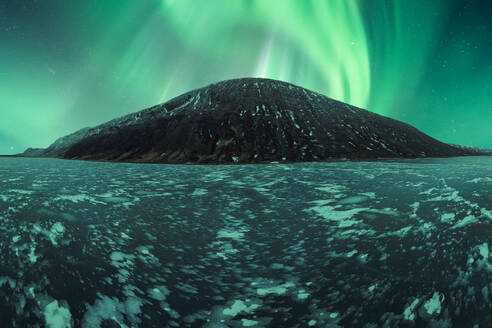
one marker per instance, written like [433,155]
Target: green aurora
[65,65]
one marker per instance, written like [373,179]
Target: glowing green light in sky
[283,36]
[67,65]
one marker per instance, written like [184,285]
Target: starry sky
[65,65]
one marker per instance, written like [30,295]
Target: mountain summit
[249,120]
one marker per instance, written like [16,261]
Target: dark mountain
[245,121]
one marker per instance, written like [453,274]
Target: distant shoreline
[334,160]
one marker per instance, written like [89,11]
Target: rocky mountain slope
[246,121]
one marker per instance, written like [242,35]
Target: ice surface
[284,245]
[433,305]
[57,316]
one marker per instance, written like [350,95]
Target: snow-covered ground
[389,244]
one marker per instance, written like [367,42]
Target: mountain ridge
[249,120]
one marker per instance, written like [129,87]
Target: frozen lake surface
[388,244]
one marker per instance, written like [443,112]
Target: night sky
[65,65]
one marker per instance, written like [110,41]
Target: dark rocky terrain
[246,121]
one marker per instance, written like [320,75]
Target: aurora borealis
[65,65]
